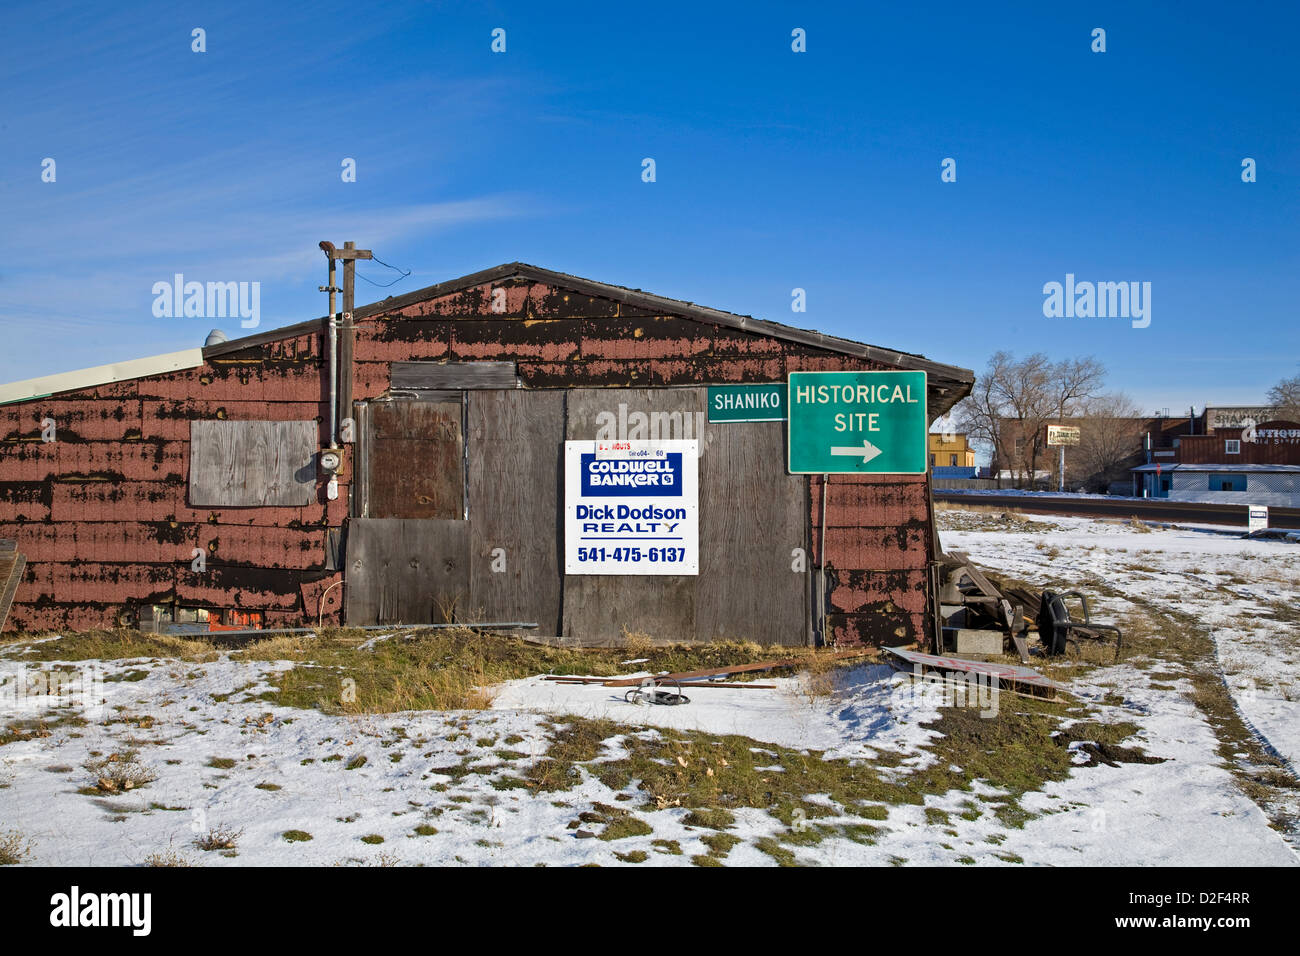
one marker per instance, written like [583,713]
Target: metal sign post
[1062,435]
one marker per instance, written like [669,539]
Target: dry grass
[819,681]
[14,848]
[422,669]
[219,838]
[637,644]
[107,646]
[119,773]
[167,857]
[455,669]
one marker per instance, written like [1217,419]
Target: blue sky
[775,169]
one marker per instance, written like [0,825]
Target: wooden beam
[453,375]
[740,668]
[11,572]
[349,253]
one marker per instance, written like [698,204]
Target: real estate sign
[631,507]
[864,423]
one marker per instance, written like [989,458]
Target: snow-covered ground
[866,715]
[1246,592]
[446,788]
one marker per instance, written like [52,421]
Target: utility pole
[340,354]
[350,255]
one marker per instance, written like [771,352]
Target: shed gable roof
[950,382]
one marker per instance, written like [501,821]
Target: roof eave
[949,383]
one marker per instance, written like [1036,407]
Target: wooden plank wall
[12,563]
[406,570]
[753,516]
[597,607]
[252,463]
[453,375]
[103,515]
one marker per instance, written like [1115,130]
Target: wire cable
[385,285]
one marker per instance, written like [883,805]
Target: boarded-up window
[416,460]
[252,463]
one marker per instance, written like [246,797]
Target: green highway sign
[747,403]
[857,423]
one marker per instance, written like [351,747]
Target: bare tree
[977,415]
[1027,393]
[1286,396]
[1110,436]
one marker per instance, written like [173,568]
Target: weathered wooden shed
[190,486]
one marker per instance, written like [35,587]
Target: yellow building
[951,451]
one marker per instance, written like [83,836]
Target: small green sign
[747,403]
[857,423]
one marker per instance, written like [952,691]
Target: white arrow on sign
[867,452]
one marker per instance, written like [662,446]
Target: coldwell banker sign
[631,507]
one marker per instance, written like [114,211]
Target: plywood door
[753,584]
[407,570]
[515,440]
[408,554]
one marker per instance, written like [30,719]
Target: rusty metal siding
[103,513]
[879,542]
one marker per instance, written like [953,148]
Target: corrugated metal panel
[100,375]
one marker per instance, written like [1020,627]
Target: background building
[1102,462]
[951,456]
[1248,464]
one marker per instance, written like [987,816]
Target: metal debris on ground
[969,603]
[651,692]
[712,685]
[1057,629]
[1011,677]
[973,608]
